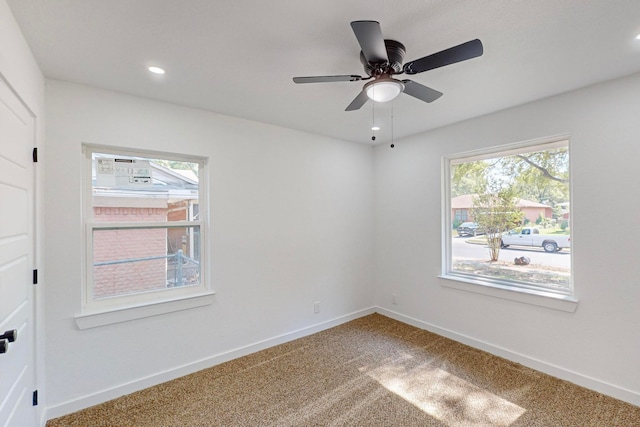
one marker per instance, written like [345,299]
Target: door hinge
[34,400]
[35,277]
[35,155]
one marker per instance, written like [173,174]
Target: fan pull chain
[373,121]
[392,144]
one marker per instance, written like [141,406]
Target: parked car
[530,236]
[469,229]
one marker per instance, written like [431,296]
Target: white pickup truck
[530,236]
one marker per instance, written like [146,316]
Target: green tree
[541,176]
[469,177]
[178,165]
[496,212]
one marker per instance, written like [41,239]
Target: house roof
[238,57]
[522,203]
[466,202]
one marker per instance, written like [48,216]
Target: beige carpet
[373,371]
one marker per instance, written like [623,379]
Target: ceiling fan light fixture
[383,89]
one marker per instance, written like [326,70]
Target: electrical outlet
[394,301]
[316,307]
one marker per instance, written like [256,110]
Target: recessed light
[156,70]
[375,128]
[638,37]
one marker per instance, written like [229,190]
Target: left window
[145,228]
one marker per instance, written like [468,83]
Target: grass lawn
[533,274]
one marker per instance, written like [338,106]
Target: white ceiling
[238,57]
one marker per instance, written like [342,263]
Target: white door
[16,260]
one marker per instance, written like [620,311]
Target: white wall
[19,70]
[292,217]
[598,345]
[17,65]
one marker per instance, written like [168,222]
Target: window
[460,215]
[145,223]
[519,196]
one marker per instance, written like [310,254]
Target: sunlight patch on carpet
[444,396]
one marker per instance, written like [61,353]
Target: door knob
[10,336]
[4,346]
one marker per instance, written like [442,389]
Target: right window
[508,217]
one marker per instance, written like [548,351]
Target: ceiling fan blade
[326,79]
[371,42]
[462,52]
[358,102]
[421,92]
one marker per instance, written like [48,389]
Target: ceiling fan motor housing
[395,53]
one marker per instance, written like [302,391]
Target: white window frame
[105,311]
[559,299]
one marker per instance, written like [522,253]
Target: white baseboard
[603,387]
[171,374]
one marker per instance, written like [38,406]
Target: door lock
[6,338]
[10,336]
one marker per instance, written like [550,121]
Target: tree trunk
[494,242]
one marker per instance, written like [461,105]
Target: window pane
[128,261]
[517,210]
[141,189]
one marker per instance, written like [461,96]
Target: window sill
[537,297]
[125,314]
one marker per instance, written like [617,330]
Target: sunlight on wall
[444,396]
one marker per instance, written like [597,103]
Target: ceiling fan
[382,59]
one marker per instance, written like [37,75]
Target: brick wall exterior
[113,245]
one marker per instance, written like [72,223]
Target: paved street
[461,249]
